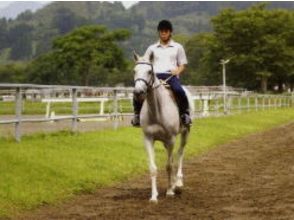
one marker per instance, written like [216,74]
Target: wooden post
[75,109]
[48,109]
[263,102]
[269,102]
[115,109]
[256,103]
[18,111]
[229,105]
[239,104]
[248,103]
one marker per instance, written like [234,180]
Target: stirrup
[186,119]
[136,121]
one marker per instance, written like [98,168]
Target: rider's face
[164,35]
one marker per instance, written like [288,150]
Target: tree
[200,58]
[13,73]
[3,33]
[65,20]
[259,41]
[20,41]
[87,56]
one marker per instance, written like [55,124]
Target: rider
[169,58]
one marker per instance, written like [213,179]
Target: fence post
[75,108]
[256,103]
[269,102]
[115,109]
[239,104]
[216,106]
[18,111]
[248,103]
[229,105]
[263,102]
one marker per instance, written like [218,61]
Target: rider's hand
[175,72]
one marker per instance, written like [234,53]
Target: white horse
[160,121]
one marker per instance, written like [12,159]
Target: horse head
[143,74]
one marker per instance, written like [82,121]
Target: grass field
[50,168]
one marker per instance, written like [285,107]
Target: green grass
[50,168]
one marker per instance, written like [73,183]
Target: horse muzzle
[139,94]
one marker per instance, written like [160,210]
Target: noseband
[150,83]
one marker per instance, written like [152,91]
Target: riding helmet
[165,25]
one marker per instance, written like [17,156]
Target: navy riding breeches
[178,90]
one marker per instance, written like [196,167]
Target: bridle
[150,84]
[152,80]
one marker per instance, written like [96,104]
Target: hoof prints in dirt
[251,178]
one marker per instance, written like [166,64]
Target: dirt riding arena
[250,178]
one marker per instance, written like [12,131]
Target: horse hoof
[153,200]
[179,183]
[178,190]
[170,193]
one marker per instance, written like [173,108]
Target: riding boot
[184,111]
[137,109]
[186,119]
[183,105]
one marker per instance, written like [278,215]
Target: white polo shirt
[166,57]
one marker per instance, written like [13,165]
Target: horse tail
[190,100]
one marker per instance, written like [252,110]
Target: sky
[127,4]
[3,4]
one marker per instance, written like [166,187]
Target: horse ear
[136,56]
[151,57]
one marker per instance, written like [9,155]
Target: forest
[90,43]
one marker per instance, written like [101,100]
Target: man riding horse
[168,63]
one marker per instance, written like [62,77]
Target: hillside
[15,8]
[31,33]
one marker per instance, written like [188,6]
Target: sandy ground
[250,178]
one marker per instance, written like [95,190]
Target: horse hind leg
[149,142]
[179,177]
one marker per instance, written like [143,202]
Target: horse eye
[150,72]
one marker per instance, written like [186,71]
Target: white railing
[208,103]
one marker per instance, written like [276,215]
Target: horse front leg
[169,167]
[149,145]
[179,177]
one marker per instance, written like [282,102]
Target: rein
[150,84]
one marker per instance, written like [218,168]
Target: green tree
[3,33]
[258,41]
[20,41]
[202,60]
[66,20]
[13,73]
[87,56]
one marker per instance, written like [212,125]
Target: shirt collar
[171,43]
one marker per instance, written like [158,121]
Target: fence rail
[207,103]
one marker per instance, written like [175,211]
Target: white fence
[207,102]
